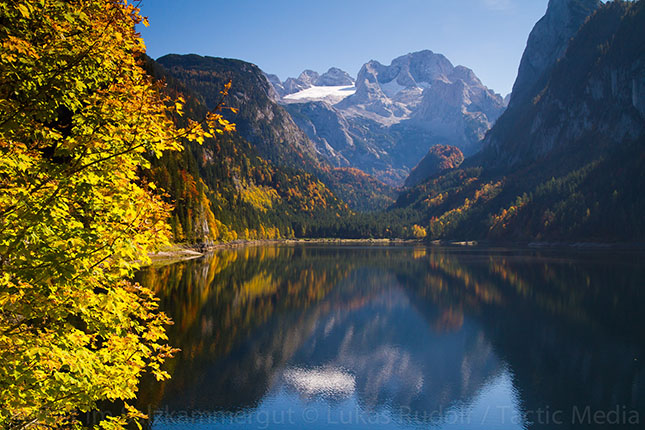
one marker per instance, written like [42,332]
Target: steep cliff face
[593,98]
[326,127]
[278,89]
[567,164]
[548,42]
[460,110]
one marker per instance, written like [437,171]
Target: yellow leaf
[23,10]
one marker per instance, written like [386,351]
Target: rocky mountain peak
[548,42]
[306,80]
[308,77]
[398,112]
[334,77]
[393,92]
[588,100]
[402,77]
[458,112]
[395,113]
[417,68]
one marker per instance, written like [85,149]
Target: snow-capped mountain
[393,113]
[308,79]
[389,94]
[334,77]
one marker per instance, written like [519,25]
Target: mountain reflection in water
[401,337]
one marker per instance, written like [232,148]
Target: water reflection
[399,337]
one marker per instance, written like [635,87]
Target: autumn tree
[418,232]
[78,117]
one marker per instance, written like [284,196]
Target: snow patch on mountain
[390,116]
[333,94]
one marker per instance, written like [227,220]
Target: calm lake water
[326,337]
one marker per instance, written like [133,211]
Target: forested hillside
[555,167]
[566,165]
[268,127]
[108,157]
[222,190]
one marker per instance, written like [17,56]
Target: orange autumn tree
[78,117]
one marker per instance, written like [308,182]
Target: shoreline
[182,252]
[259,242]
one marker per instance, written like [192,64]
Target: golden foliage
[78,116]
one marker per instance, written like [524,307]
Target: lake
[401,337]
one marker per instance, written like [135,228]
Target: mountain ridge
[567,164]
[548,42]
[397,113]
[267,126]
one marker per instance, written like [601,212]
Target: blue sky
[287,36]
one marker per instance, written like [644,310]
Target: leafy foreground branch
[77,117]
